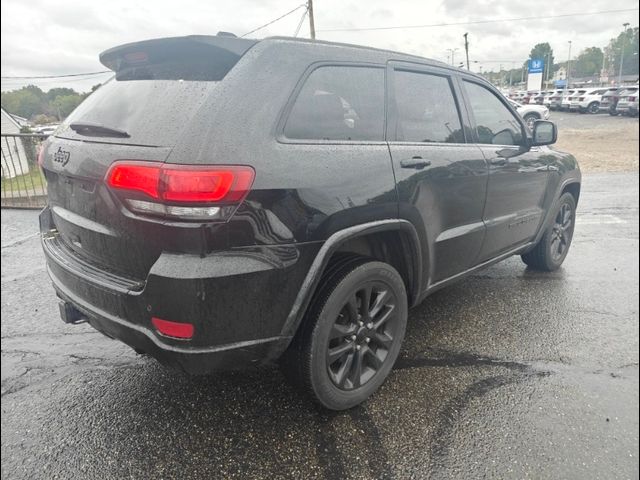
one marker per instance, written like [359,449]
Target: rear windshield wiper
[97,130]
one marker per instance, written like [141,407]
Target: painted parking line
[599,220]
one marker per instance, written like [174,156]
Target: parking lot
[508,374]
[601,143]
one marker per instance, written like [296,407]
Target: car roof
[383,54]
[306,47]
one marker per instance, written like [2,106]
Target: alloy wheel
[562,231]
[362,335]
[530,121]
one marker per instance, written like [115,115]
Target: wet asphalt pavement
[508,374]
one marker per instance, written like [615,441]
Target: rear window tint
[427,110]
[158,86]
[339,103]
[152,112]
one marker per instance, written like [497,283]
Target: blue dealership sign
[536,65]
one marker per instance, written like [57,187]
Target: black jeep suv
[225,202]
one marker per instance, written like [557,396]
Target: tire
[613,113]
[552,249]
[594,107]
[339,336]
[530,119]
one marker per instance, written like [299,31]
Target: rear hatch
[140,114]
[628,96]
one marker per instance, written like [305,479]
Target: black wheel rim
[362,336]
[562,232]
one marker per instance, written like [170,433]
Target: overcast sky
[42,37]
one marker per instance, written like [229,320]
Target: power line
[477,22]
[304,14]
[304,5]
[56,76]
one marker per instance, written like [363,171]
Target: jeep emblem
[61,156]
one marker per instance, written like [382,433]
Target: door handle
[498,161]
[415,162]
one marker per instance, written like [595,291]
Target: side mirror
[544,133]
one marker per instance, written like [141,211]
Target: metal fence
[23,184]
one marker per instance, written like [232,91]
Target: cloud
[42,37]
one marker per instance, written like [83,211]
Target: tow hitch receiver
[71,314]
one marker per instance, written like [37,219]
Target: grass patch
[29,181]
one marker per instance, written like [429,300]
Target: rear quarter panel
[303,191]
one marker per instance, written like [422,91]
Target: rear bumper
[194,360]
[627,108]
[237,301]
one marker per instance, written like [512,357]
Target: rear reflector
[173,329]
[184,191]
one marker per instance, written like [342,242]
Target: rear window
[157,87]
[339,103]
[151,112]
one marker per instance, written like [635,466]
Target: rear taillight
[632,99]
[181,191]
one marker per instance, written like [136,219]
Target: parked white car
[531,112]
[586,100]
[555,99]
[566,95]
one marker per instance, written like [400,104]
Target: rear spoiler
[194,57]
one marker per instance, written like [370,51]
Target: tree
[31,102]
[588,63]
[627,41]
[543,51]
[42,119]
[24,102]
[64,104]
[54,92]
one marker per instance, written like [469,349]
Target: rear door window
[426,109]
[339,103]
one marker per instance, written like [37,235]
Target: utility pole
[312,24]
[605,52]
[548,68]
[453,55]
[624,40]
[466,48]
[569,65]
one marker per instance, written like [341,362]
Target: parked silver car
[628,102]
